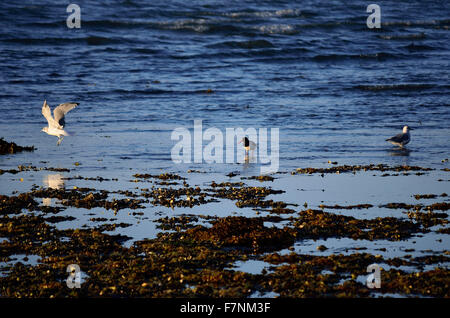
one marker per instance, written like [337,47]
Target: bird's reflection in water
[401,152]
[245,166]
[404,152]
[52,181]
[249,159]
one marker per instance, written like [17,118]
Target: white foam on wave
[277,29]
[265,14]
[197,25]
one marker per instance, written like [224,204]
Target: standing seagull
[402,138]
[56,124]
[248,145]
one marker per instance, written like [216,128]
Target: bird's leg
[60,139]
[252,156]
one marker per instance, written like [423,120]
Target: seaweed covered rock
[11,147]
[88,198]
[247,196]
[15,204]
[181,197]
[163,176]
[240,231]
[349,168]
[319,224]
[435,283]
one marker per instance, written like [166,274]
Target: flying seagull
[402,138]
[56,122]
[248,145]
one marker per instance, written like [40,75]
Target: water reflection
[249,165]
[404,152]
[52,181]
[249,158]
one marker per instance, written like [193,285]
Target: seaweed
[12,148]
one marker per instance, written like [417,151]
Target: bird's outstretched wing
[62,110]
[48,115]
[398,138]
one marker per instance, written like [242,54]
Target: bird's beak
[240,141]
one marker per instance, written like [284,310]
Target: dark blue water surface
[335,88]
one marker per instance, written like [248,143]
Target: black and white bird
[56,122]
[248,145]
[401,139]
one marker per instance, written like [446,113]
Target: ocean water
[334,88]
[139,69]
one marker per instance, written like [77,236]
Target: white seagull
[402,138]
[56,124]
[248,145]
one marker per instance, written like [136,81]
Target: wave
[115,24]
[90,40]
[329,24]
[103,24]
[419,47]
[417,36]
[150,91]
[265,14]
[277,29]
[144,51]
[215,25]
[218,24]
[397,87]
[416,23]
[225,27]
[99,40]
[280,53]
[252,44]
[337,57]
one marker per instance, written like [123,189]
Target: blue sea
[139,69]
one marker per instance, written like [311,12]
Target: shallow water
[335,89]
